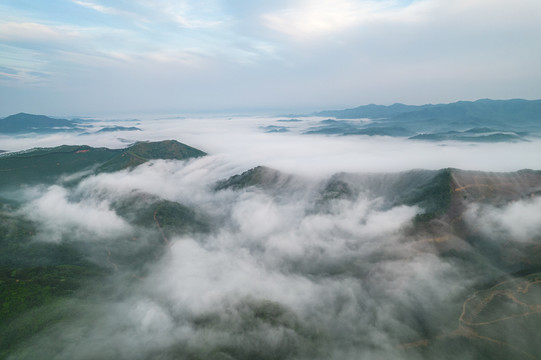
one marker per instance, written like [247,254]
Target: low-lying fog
[274,278]
[244,142]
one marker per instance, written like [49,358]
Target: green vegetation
[31,299]
[142,152]
[261,176]
[467,136]
[25,288]
[344,127]
[44,286]
[175,218]
[28,123]
[434,197]
[19,249]
[248,324]
[46,165]
[172,217]
[36,277]
[500,322]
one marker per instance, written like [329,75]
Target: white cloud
[516,221]
[98,7]
[31,32]
[213,55]
[59,216]
[341,272]
[187,13]
[313,19]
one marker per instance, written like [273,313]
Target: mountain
[484,109]
[444,196]
[28,123]
[508,120]
[260,176]
[371,111]
[141,152]
[23,123]
[44,165]
[438,263]
[118,128]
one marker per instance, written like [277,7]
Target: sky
[91,57]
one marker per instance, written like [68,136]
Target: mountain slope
[499,120]
[47,164]
[142,152]
[265,264]
[371,111]
[29,123]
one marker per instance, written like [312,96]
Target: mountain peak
[30,123]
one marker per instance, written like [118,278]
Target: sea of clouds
[278,275]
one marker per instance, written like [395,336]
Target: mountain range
[23,123]
[477,121]
[48,284]
[46,165]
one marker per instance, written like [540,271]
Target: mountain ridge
[24,122]
[381,111]
[35,165]
[503,120]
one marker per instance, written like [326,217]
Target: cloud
[279,272]
[37,33]
[208,291]
[188,14]
[214,56]
[97,7]
[516,221]
[310,20]
[58,217]
[239,144]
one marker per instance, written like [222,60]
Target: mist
[245,144]
[517,221]
[315,271]
[277,271]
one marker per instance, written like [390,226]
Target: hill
[118,128]
[46,165]
[502,120]
[29,123]
[142,152]
[484,109]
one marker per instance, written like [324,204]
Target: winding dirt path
[465,326]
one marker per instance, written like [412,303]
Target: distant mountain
[274,129]
[517,109]
[118,128]
[509,120]
[28,123]
[472,136]
[47,164]
[371,111]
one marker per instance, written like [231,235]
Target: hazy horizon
[95,57]
[223,113]
[242,141]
